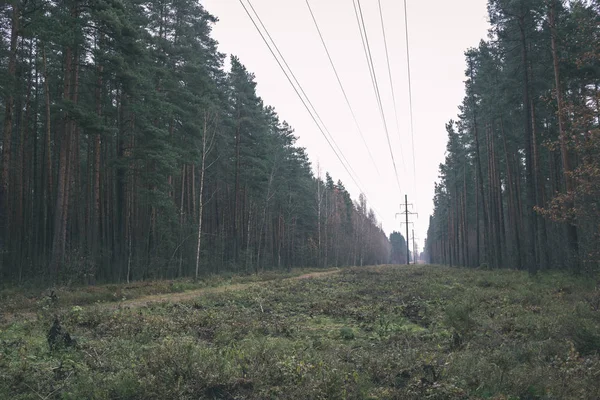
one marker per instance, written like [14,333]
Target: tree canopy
[129,152]
[519,185]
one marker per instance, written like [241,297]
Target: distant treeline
[129,152]
[520,186]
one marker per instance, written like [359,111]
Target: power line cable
[301,89]
[367,51]
[362,27]
[410,101]
[362,38]
[387,57]
[298,91]
[304,102]
[341,86]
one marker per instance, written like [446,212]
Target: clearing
[391,332]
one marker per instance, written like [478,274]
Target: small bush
[458,316]
[586,338]
[347,333]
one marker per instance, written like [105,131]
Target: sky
[439,31]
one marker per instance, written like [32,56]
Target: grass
[419,332]
[29,299]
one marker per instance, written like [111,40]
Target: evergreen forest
[129,151]
[520,185]
[164,235]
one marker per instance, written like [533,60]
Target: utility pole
[406,214]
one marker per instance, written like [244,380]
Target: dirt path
[178,297]
[8,318]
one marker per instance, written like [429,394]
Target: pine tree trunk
[493,250]
[572,236]
[5,192]
[248,236]
[512,203]
[96,217]
[21,187]
[319,201]
[47,187]
[62,196]
[480,176]
[495,200]
[465,219]
[181,220]
[201,195]
[236,210]
[264,219]
[542,237]
[477,224]
[529,167]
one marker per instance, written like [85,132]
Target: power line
[362,38]
[362,27]
[318,117]
[407,213]
[291,83]
[341,85]
[410,102]
[387,57]
[314,117]
[367,49]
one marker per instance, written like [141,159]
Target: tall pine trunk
[5,190]
[572,238]
[201,196]
[479,176]
[62,196]
[529,167]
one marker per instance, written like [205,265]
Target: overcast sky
[439,30]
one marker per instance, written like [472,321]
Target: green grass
[17,299]
[419,332]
